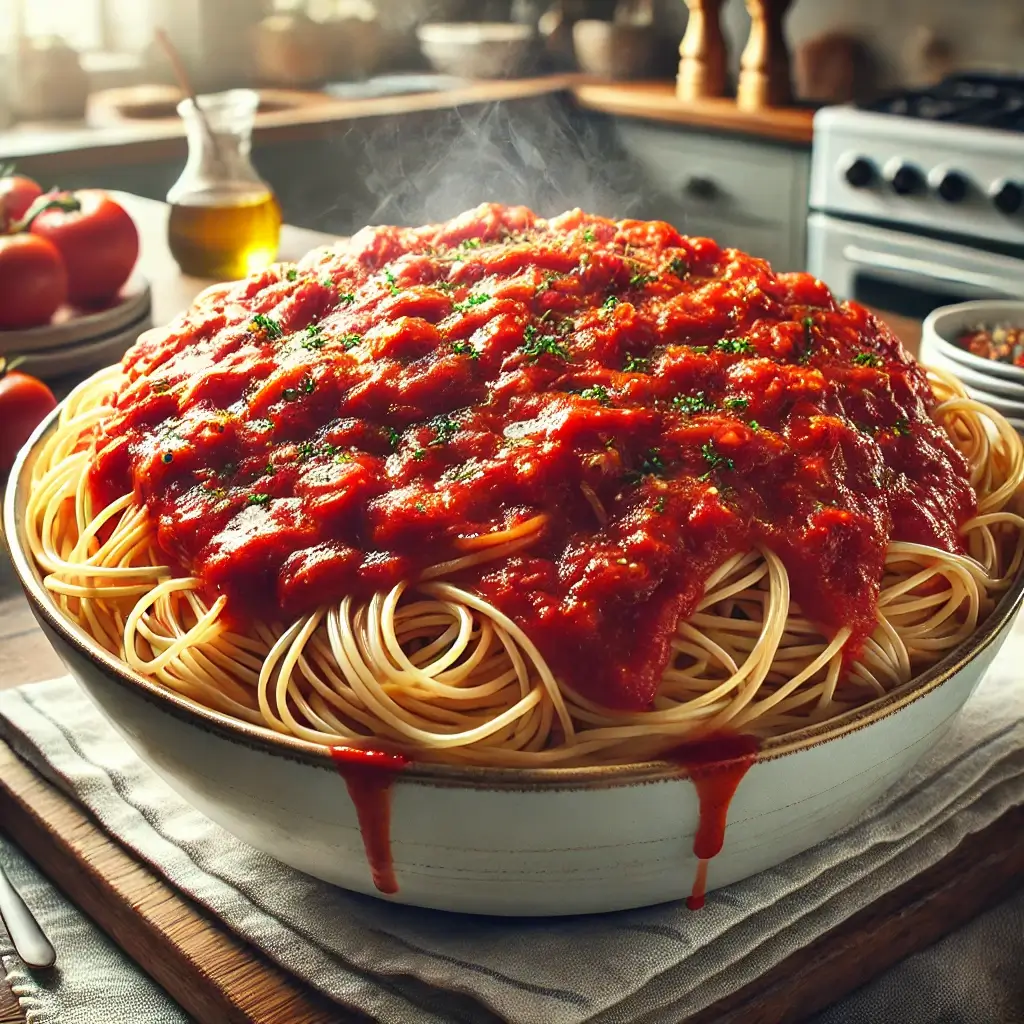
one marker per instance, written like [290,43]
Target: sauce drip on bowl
[369,777]
[716,766]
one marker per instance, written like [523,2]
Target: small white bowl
[478,49]
[944,325]
[932,355]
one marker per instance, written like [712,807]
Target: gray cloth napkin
[651,966]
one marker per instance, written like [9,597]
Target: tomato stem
[65,201]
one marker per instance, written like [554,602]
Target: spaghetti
[517,492]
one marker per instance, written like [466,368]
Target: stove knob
[905,179]
[1007,196]
[859,172]
[952,187]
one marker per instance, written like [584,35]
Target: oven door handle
[932,271]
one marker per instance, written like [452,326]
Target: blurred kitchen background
[380,110]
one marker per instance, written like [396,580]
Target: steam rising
[426,168]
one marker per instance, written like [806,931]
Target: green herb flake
[641,279]
[465,348]
[589,236]
[735,403]
[598,393]
[262,424]
[347,297]
[270,469]
[901,428]
[306,450]
[868,359]
[754,425]
[636,364]
[734,346]
[419,454]
[471,243]
[679,266]
[258,499]
[545,285]
[536,344]
[651,465]
[445,428]
[308,386]
[314,342]
[392,281]
[393,437]
[610,303]
[350,340]
[292,274]
[420,507]
[267,325]
[692,405]
[659,505]
[472,300]
[714,459]
[700,350]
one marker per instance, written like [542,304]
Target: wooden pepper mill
[764,67]
[702,52]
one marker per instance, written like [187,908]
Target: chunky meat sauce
[335,426]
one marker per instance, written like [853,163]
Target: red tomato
[24,401]
[96,238]
[33,282]
[17,194]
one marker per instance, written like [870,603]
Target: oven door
[905,273]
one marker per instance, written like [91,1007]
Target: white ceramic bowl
[478,49]
[942,327]
[507,841]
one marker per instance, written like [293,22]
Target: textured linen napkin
[654,966]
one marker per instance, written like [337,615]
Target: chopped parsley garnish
[314,342]
[268,325]
[659,505]
[306,450]
[270,469]
[465,348]
[598,393]
[679,266]
[808,323]
[166,458]
[350,340]
[471,243]
[391,280]
[636,364]
[692,404]
[650,466]
[714,459]
[262,424]
[641,279]
[589,236]
[292,274]
[326,282]
[754,425]
[393,436]
[470,302]
[258,499]
[419,455]
[347,297]
[308,386]
[420,507]
[458,474]
[536,344]
[736,403]
[610,303]
[545,285]
[734,346]
[445,428]
[867,359]
[901,428]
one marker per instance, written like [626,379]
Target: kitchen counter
[657,101]
[50,148]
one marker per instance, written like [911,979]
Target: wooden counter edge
[657,101]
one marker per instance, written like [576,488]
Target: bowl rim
[933,328]
[1006,389]
[437,774]
[462,32]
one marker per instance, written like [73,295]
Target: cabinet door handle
[700,187]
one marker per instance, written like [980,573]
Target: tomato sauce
[333,427]
[369,777]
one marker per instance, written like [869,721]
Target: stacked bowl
[981,343]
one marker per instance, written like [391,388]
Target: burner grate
[984,101]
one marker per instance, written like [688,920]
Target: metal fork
[30,943]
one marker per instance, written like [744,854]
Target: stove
[918,198]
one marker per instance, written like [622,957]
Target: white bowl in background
[944,325]
[931,355]
[547,841]
[478,49]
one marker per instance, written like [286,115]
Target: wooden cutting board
[219,979]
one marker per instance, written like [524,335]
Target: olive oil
[225,236]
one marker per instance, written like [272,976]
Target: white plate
[71,326]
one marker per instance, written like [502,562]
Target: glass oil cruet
[225,221]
